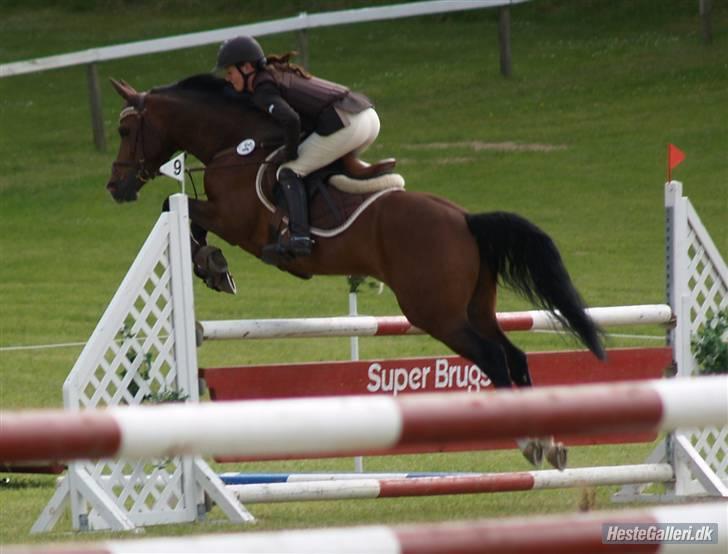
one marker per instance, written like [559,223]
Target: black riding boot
[298,240]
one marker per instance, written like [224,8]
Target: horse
[466,255]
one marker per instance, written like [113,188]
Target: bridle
[139,172]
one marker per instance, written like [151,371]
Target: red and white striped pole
[532,320]
[371,488]
[345,425]
[562,534]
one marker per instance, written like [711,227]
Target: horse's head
[142,150]
[201,115]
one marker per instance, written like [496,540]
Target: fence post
[706,7]
[302,36]
[504,39]
[94,95]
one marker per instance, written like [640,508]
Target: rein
[240,163]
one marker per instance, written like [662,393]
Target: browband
[129,110]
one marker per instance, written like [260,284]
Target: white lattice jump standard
[347,326]
[585,532]
[338,426]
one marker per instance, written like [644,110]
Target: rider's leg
[315,152]
[372,120]
[298,241]
[318,151]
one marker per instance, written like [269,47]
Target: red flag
[674,157]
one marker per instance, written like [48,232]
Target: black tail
[525,258]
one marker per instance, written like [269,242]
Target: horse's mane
[204,82]
[216,90]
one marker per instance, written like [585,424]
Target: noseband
[139,171]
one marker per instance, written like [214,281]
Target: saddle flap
[331,210]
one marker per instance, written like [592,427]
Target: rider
[335,121]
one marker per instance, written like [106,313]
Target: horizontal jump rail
[343,426]
[251,488]
[396,487]
[544,535]
[607,475]
[239,478]
[348,326]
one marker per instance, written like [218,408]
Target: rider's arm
[268,98]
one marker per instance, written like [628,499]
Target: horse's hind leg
[487,354]
[517,361]
[491,358]
[555,452]
[482,315]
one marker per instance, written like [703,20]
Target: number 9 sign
[175,168]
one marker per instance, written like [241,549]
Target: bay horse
[442,263]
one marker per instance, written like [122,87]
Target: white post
[182,292]
[677,275]
[354,348]
[685,240]
[354,340]
[183,317]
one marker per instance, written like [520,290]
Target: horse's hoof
[221,282]
[216,261]
[557,455]
[229,284]
[224,282]
[209,259]
[533,452]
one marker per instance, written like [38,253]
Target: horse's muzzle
[122,193]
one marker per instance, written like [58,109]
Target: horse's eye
[123,131]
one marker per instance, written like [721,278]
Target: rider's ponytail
[283,63]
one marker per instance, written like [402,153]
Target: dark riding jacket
[304,104]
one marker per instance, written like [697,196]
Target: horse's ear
[127,92]
[120,88]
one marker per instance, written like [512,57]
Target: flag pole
[669,169]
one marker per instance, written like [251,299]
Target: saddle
[337,194]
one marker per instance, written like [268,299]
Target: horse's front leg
[208,262]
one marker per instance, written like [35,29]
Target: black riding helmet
[238,50]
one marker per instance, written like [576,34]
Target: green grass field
[607,83]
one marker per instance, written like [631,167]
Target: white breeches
[318,151]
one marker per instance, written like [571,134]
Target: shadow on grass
[22,482]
